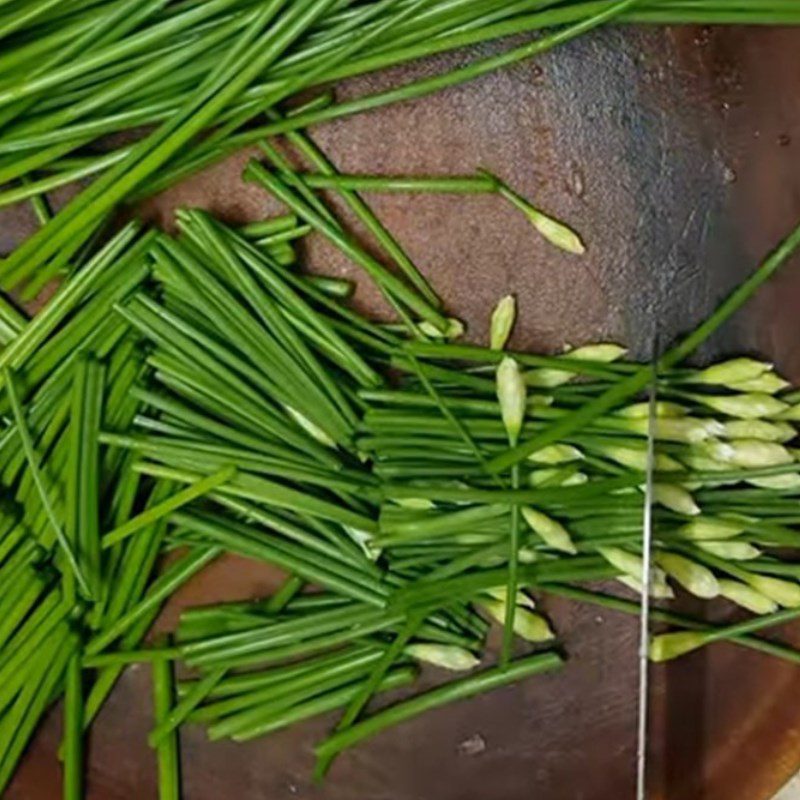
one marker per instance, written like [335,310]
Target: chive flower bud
[731,551]
[528,625]
[769,383]
[687,430]
[758,429]
[781,482]
[753,405]
[552,532]
[522,600]
[634,458]
[633,566]
[555,454]
[784,593]
[549,377]
[666,646]
[711,529]
[546,476]
[664,409]
[675,498]
[735,370]
[455,329]
[749,453]
[746,597]
[446,656]
[503,318]
[695,578]
[511,394]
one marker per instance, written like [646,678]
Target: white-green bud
[602,352]
[731,551]
[446,656]
[748,453]
[523,600]
[635,458]
[503,318]
[545,476]
[528,625]
[511,395]
[695,578]
[659,588]
[790,480]
[746,597]
[687,430]
[666,646]
[735,370]
[663,408]
[555,454]
[768,382]
[414,503]
[675,498]
[758,429]
[557,233]
[711,529]
[784,593]
[455,329]
[552,532]
[753,405]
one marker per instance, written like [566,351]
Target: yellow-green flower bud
[557,233]
[414,503]
[675,498]
[528,625]
[731,551]
[753,405]
[781,482]
[664,410]
[446,656]
[635,458]
[555,454]
[748,453]
[758,429]
[503,318]
[523,600]
[667,646]
[455,329]
[511,395]
[711,529]
[552,532]
[602,352]
[695,578]
[768,382]
[659,588]
[546,476]
[784,593]
[746,597]
[734,371]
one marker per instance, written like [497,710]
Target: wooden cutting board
[676,153]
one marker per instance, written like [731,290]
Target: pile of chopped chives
[201,394]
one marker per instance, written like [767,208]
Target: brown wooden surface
[675,152]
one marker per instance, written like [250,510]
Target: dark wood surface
[676,153]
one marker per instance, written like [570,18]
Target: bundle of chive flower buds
[199,395]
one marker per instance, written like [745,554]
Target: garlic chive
[675,498]
[785,593]
[502,323]
[552,532]
[711,529]
[753,405]
[695,578]
[732,551]
[528,625]
[555,454]
[748,453]
[523,600]
[659,588]
[758,429]
[664,410]
[768,383]
[666,646]
[746,597]
[446,656]
[511,395]
[788,482]
[735,370]
[455,329]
